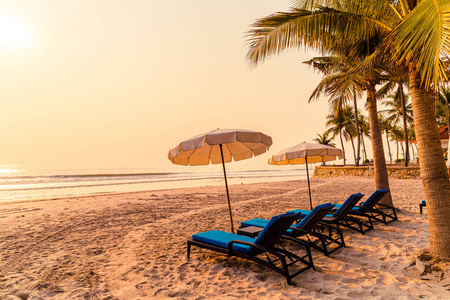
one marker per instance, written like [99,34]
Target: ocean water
[19,184]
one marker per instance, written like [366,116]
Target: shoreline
[133,245]
[46,188]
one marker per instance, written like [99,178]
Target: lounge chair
[364,212]
[338,217]
[384,213]
[306,229]
[421,205]
[261,250]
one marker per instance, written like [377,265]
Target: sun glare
[14,33]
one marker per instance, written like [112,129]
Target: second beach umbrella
[305,153]
[220,146]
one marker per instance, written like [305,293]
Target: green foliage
[324,139]
[443,106]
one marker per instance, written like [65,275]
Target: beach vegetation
[386,127]
[413,35]
[344,31]
[324,139]
[336,123]
[398,108]
[397,136]
[364,131]
[334,69]
[443,106]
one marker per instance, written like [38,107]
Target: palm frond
[421,38]
[323,29]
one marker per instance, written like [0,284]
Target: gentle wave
[101,184]
[40,186]
[84,175]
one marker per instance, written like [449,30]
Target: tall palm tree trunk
[342,145]
[354,151]
[355,105]
[435,180]
[379,162]
[364,146]
[397,149]
[403,151]
[389,146]
[405,129]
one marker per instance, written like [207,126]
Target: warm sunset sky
[116,84]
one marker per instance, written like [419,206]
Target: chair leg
[188,250]
[308,250]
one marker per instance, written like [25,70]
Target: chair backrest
[347,206]
[374,199]
[315,216]
[275,229]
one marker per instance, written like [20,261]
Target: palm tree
[364,130]
[337,122]
[413,34]
[397,135]
[386,127]
[324,139]
[340,28]
[417,42]
[411,137]
[350,130]
[334,68]
[397,106]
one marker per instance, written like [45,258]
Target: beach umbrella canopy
[305,153]
[220,146]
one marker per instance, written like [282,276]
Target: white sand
[133,246]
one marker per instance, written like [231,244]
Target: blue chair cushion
[221,239]
[346,202]
[423,202]
[309,215]
[255,222]
[363,205]
[266,224]
[261,223]
[267,227]
[354,208]
[373,196]
[304,213]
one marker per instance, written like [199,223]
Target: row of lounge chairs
[262,240]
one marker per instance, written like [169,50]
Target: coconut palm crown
[412,34]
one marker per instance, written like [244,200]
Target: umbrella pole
[226,186]
[309,187]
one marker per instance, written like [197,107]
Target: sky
[91,84]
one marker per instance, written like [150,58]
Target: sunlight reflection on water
[18,184]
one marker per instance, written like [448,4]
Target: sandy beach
[133,246]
